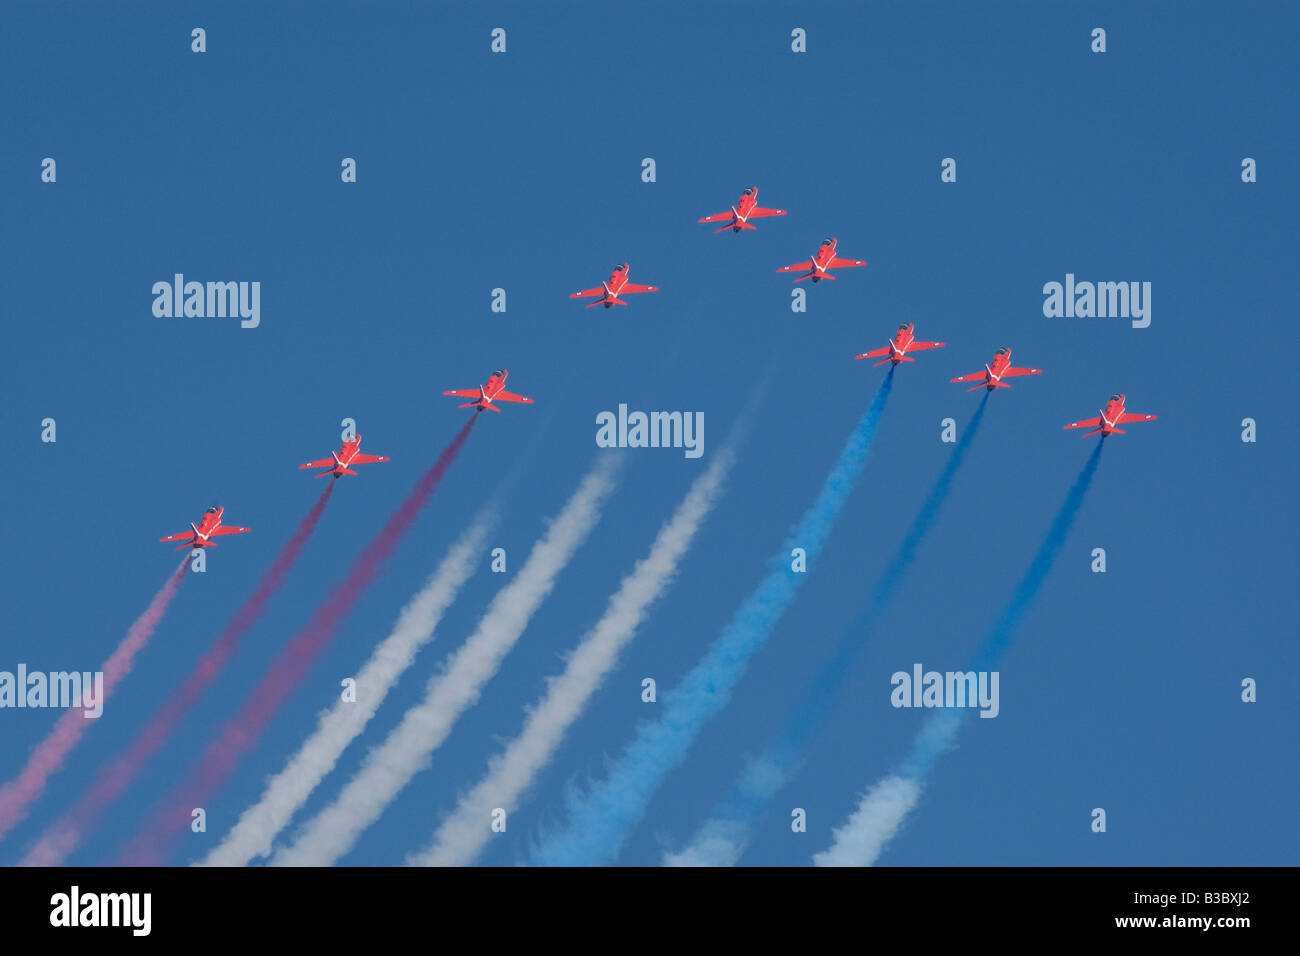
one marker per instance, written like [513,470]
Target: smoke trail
[601,818]
[289,789]
[722,838]
[17,796]
[63,836]
[884,807]
[462,835]
[388,767]
[242,731]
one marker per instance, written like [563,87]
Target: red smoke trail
[62,837]
[17,795]
[241,732]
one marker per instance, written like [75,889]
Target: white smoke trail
[878,817]
[602,816]
[288,790]
[461,836]
[389,766]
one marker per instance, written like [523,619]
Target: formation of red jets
[737,219]
[990,378]
[341,462]
[609,293]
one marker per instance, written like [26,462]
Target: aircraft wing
[1010,371]
[226,529]
[1086,423]
[462,393]
[759,211]
[367,459]
[874,353]
[600,290]
[719,217]
[324,462]
[510,397]
[838,263]
[914,345]
[797,267]
[179,536]
[972,377]
[1134,417]
[633,287]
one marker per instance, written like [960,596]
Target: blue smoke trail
[722,838]
[881,812]
[600,819]
[928,746]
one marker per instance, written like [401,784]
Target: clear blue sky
[523,171]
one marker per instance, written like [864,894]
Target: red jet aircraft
[341,462]
[494,389]
[899,346]
[610,291]
[1112,416]
[209,527]
[819,264]
[737,218]
[993,375]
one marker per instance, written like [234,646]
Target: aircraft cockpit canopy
[498,373]
[212,510]
[749,191]
[1114,398]
[826,242]
[1002,351]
